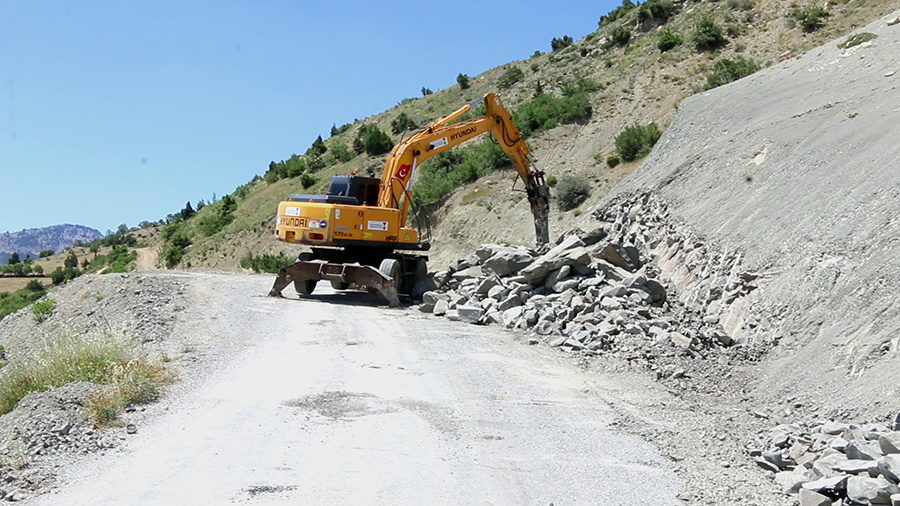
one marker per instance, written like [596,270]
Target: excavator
[357,232]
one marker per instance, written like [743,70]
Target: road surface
[334,401]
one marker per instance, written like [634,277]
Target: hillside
[34,240]
[634,83]
[798,184]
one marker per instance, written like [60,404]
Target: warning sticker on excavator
[377,225]
[438,143]
[291,211]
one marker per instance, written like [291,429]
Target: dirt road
[336,401]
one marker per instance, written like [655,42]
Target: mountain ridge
[31,241]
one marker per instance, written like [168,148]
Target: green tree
[462,80]
[402,123]
[372,140]
[38,270]
[318,147]
[46,253]
[426,91]
[13,259]
[564,42]
[71,260]
[188,211]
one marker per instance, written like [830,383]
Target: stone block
[469,314]
[889,443]
[859,450]
[441,307]
[810,498]
[889,467]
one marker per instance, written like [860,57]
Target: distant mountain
[34,240]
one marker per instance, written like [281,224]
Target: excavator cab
[348,190]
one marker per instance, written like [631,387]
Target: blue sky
[118,112]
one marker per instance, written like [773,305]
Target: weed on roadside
[99,358]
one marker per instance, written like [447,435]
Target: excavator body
[357,231]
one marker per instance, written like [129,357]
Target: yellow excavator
[357,231]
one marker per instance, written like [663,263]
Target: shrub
[547,111]
[402,123]
[552,181]
[617,13]
[318,147]
[463,81]
[45,253]
[266,262]
[426,91]
[557,44]
[535,67]
[340,151]
[620,36]
[571,191]
[857,39]
[637,141]
[118,260]
[510,76]
[659,10]
[707,35]
[307,180]
[612,160]
[42,309]
[372,140]
[668,39]
[810,18]
[726,71]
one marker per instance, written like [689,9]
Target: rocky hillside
[629,83]
[799,183]
[34,240]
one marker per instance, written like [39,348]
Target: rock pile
[828,463]
[587,294]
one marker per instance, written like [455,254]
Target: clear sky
[122,111]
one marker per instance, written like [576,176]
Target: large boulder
[570,251]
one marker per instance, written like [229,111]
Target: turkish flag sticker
[404,171]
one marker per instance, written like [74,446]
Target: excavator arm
[439,136]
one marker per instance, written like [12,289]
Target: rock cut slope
[794,170]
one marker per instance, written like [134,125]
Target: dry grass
[100,359]
[8,284]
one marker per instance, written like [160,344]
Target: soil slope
[794,169]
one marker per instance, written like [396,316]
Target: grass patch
[857,39]
[99,359]
[42,309]
[477,194]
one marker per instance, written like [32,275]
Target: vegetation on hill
[633,70]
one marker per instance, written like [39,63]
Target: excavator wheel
[390,267]
[340,285]
[421,270]
[305,286]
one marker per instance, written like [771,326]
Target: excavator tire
[305,286]
[340,285]
[390,267]
[421,270]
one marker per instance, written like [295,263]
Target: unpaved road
[335,401]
